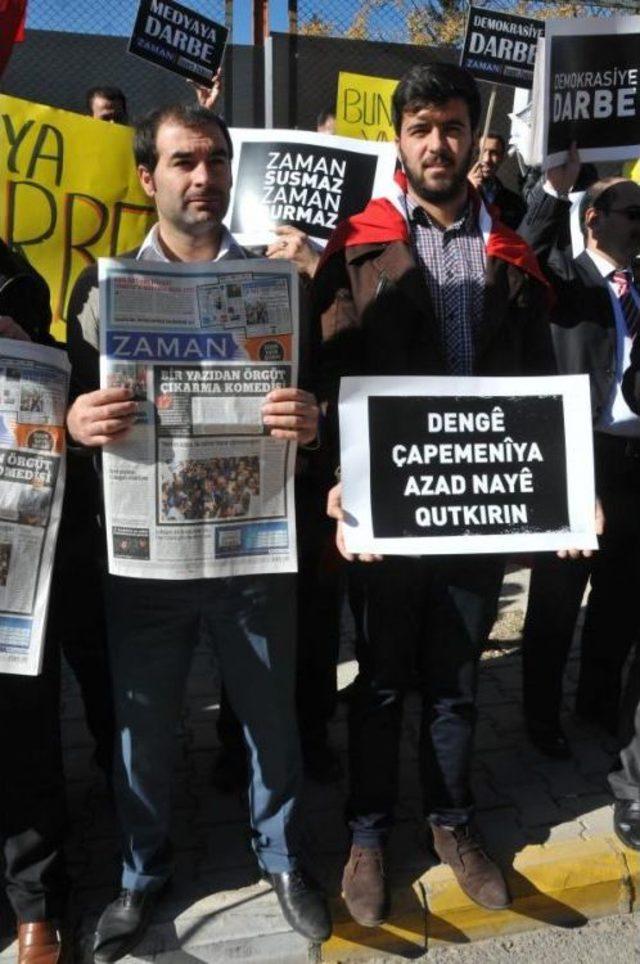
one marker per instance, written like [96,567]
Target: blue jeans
[153,628]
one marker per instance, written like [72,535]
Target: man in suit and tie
[596,314]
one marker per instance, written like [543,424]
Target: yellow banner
[363,108]
[71,193]
[632,170]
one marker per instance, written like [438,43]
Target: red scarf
[381,222]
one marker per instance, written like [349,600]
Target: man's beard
[445,193]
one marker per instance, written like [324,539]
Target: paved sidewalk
[556,815]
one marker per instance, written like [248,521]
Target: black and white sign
[175,37]
[501,47]
[592,89]
[465,465]
[300,178]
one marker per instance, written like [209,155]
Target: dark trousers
[434,613]
[555,594]
[624,778]
[32,801]
[77,623]
[611,622]
[319,586]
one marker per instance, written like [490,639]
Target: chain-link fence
[72,45]
[440,22]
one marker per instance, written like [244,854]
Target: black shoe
[626,822]
[321,763]
[123,923]
[549,740]
[230,772]
[303,904]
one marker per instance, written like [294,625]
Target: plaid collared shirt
[453,261]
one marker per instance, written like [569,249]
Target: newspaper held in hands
[198,488]
[34,382]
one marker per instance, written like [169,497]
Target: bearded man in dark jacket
[425,282]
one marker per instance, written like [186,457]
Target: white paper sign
[448,465]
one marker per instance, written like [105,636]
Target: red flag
[12,14]
[381,222]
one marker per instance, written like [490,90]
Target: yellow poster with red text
[71,193]
[363,107]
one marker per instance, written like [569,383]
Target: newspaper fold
[198,488]
[34,382]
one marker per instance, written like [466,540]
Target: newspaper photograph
[34,384]
[197,488]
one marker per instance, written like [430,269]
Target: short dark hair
[435,84]
[497,137]
[145,150]
[598,196]
[106,91]
[324,116]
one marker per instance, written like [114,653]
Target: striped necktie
[623,284]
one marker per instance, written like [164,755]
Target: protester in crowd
[107,103]
[592,324]
[184,163]
[326,121]
[411,287]
[484,176]
[32,815]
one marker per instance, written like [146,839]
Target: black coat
[583,326]
[510,205]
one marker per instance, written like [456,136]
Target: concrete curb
[564,884]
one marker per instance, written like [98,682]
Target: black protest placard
[172,36]
[501,47]
[307,186]
[593,94]
[465,466]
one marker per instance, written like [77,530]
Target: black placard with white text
[306,180]
[173,36]
[441,465]
[464,465]
[306,188]
[594,96]
[501,47]
[592,89]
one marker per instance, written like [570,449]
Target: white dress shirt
[616,417]
[151,249]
